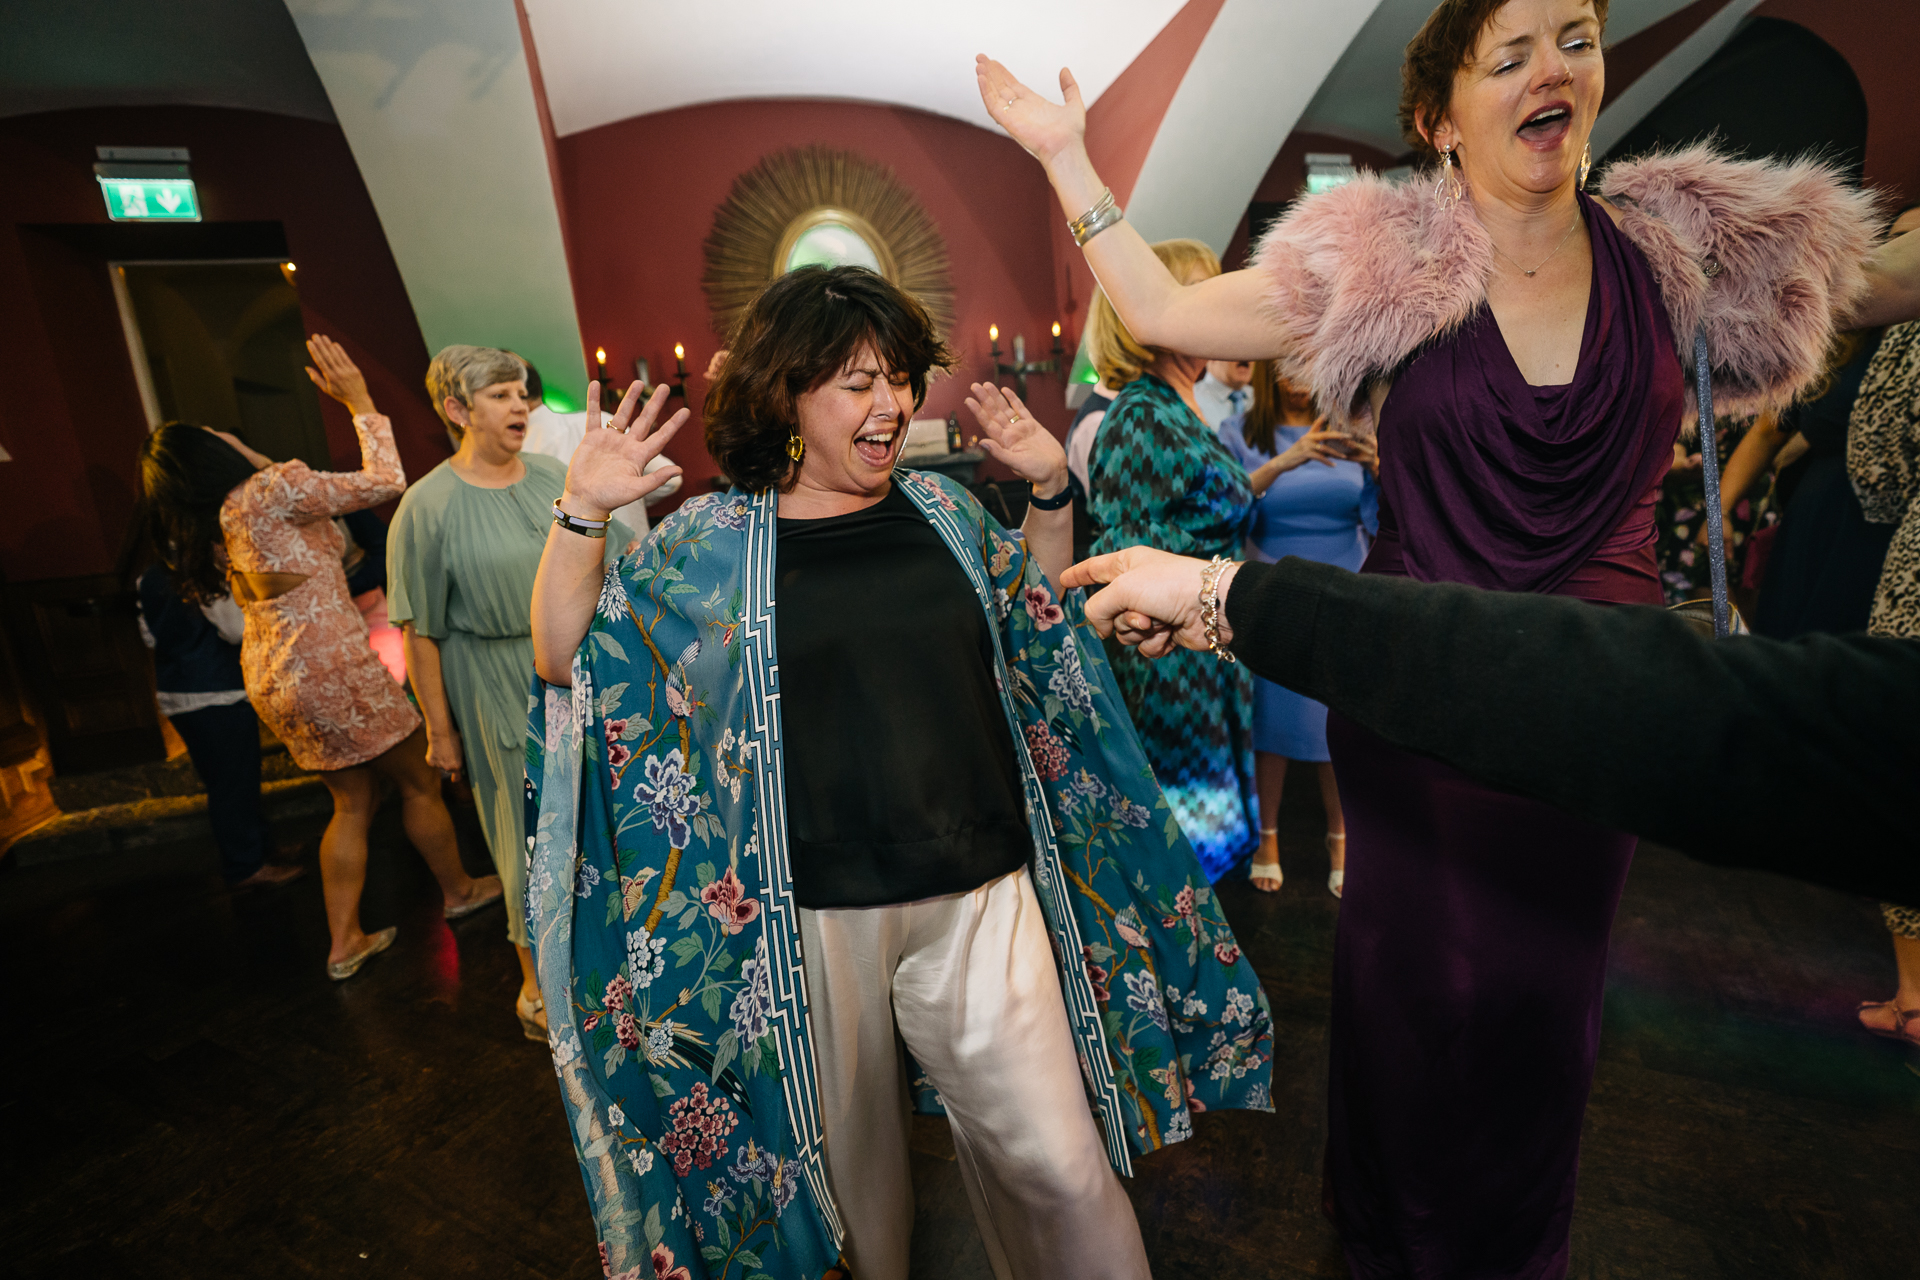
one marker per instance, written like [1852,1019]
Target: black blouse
[900,770]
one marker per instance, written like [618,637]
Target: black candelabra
[1021,366]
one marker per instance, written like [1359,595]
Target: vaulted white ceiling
[608,60]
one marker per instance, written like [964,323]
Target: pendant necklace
[1550,257]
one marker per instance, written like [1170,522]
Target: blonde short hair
[461,372]
[1119,357]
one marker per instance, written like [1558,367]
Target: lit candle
[1056,337]
[600,360]
[993,337]
[680,359]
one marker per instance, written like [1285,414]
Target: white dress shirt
[1217,404]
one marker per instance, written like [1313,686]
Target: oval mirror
[831,244]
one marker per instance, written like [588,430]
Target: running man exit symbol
[150,199]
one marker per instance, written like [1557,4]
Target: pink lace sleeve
[296,493]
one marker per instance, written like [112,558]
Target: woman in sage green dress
[460,563]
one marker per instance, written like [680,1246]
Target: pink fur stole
[1358,278]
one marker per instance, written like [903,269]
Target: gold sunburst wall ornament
[814,205]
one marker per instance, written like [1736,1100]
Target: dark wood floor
[183,1093]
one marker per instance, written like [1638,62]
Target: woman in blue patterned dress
[1162,478]
[839,769]
[1325,512]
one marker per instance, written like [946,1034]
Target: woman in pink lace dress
[309,671]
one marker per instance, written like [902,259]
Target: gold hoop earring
[796,447]
[1449,191]
[1586,166]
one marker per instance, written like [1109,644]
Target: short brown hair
[461,372]
[801,330]
[1119,357]
[1444,45]
[1274,401]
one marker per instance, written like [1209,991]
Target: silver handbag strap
[1710,472]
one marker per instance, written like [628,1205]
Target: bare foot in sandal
[1265,869]
[1894,1019]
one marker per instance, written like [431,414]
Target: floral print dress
[666,936]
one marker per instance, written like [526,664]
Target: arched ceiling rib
[608,60]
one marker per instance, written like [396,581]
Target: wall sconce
[1021,366]
[679,385]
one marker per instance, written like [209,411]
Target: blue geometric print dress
[1162,478]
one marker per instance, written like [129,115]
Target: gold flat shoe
[533,1018]
[478,904]
[341,970]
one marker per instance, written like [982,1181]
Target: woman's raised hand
[1044,128]
[337,375]
[1012,435]
[609,467]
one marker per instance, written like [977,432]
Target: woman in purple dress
[1518,346]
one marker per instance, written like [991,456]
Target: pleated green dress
[460,566]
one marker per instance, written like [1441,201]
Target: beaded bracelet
[1210,606]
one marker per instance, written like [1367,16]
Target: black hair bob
[801,330]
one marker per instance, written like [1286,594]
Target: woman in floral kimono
[839,771]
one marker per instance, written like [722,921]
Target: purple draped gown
[1472,943]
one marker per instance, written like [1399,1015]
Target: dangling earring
[1449,190]
[796,447]
[1586,166]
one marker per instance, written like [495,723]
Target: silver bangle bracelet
[1104,213]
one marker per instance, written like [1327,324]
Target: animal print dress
[1883,460]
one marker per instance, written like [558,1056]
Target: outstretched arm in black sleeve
[1801,757]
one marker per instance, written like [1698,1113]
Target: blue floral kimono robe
[666,935]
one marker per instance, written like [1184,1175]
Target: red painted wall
[73,421]
[641,196]
[1877,37]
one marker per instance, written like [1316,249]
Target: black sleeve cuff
[1274,610]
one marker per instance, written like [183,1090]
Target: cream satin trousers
[967,983]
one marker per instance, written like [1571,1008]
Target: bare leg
[1883,1017]
[1270,779]
[1336,820]
[343,856]
[428,825]
[1336,829]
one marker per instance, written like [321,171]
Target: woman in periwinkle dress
[1328,512]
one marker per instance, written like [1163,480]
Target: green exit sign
[146,192]
[150,199]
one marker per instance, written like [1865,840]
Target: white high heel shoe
[1336,878]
